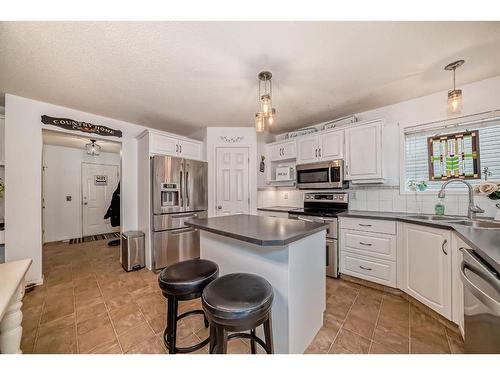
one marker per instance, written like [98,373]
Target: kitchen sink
[483,224]
[436,217]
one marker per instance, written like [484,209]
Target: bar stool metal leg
[171,331]
[268,333]
[252,342]
[221,341]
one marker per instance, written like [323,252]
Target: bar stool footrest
[191,348]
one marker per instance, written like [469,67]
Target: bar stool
[238,302]
[184,281]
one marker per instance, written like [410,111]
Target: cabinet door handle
[364,225]
[365,268]
[346,169]
[180,149]
[443,245]
[364,243]
[316,152]
[319,152]
[176,148]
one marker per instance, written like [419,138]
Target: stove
[324,207]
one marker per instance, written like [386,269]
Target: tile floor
[89,304]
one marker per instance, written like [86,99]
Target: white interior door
[232,181]
[99,181]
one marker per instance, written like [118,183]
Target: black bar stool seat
[184,281]
[238,302]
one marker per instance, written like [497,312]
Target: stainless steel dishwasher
[481,305]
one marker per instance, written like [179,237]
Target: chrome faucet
[473,209]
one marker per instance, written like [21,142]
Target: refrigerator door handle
[187,189]
[181,192]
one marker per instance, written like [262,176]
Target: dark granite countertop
[486,242]
[259,230]
[278,208]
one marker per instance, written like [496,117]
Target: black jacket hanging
[113,211]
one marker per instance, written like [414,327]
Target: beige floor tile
[152,345]
[322,341]
[134,336]
[57,309]
[102,333]
[111,347]
[363,315]
[126,317]
[352,342]
[57,337]
[377,348]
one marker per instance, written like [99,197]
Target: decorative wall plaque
[85,127]
[231,139]
[100,180]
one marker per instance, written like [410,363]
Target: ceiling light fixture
[454,96]
[267,114]
[93,148]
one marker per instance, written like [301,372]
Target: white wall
[478,97]
[215,138]
[23,176]
[63,177]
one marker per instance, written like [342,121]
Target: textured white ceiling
[179,76]
[56,138]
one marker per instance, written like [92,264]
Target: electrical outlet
[285,196]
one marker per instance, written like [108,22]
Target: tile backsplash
[386,199]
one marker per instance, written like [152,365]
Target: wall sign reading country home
[85,127]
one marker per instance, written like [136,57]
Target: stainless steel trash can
[132,250]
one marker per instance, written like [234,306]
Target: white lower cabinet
[424,265]
[370,253]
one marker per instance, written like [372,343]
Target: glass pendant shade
[265,104]
[92,148]
[267,114]
[259,123]
[454,101]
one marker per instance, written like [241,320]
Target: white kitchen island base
[297,273]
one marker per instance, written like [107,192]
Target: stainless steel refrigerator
[179,193]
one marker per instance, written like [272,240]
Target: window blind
[416,157]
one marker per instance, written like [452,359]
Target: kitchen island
[290,254]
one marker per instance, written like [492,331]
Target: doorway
[232,182]
[78,183]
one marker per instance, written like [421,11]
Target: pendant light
[454,96]
[267,114]
[93,148]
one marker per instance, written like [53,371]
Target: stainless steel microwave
[321,175]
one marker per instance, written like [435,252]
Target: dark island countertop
[258,230]
[278,208]
[485,242]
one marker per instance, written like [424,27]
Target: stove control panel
[326,197]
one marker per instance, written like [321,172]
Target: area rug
[97,237]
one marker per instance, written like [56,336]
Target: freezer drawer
[175,221]
[173,246]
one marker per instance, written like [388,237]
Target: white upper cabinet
[363,152]
[282,150]
[320,147]
[307,149]
[424,266]
[181,147]
[331,145]
[190,149]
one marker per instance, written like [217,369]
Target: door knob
[219,207]
[84,203]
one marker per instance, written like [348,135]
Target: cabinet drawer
[283,215]
[369,225]
[371,269]
[369,244]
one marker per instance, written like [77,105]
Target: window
[416,158]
